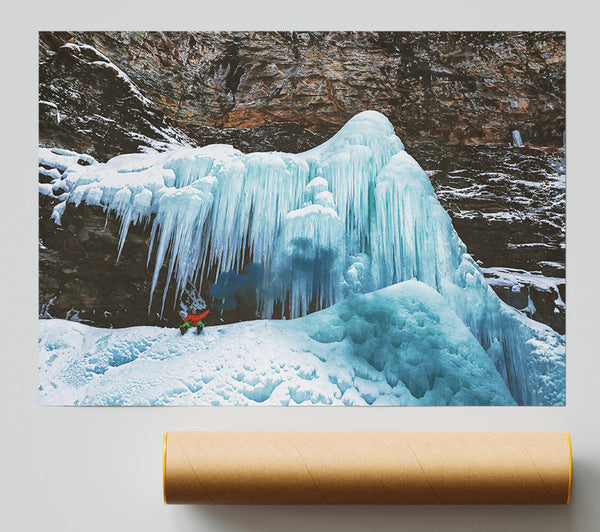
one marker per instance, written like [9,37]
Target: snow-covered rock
[508,206]
[86,102]
[539,296]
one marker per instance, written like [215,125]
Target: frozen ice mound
[353,215]
[401,345]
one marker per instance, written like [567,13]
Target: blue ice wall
[352,215]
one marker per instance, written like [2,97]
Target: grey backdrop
[96,469]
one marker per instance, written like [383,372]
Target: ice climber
[194,319]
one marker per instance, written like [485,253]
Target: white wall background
[99,469]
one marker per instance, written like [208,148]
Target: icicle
[308,261]
[517,141]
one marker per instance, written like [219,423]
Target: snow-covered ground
[401,345]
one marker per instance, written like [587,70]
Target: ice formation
[517,141]
[353,215]
[401,345]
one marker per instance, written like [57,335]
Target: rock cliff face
[81,279]
[290,91]
[454,99]
[88,104]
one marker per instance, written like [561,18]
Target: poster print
[343,218]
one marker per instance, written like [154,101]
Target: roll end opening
[164,467]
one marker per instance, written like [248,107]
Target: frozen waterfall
[352,215]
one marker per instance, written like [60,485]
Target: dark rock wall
[454,99]
[289,91]
[81,279]
[87,105]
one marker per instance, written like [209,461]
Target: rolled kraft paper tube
[367,467]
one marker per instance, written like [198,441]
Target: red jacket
[195,318]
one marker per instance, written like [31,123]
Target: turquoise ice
[349,217]
[401,345]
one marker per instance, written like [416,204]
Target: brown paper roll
[367,467]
